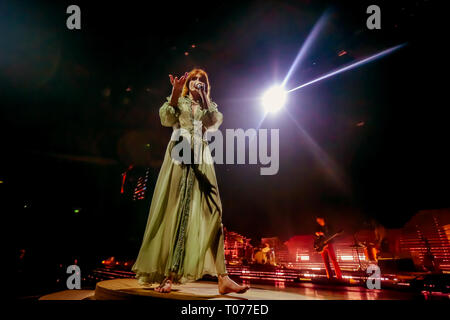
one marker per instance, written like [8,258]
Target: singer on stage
[184,237]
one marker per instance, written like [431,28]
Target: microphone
[200,85]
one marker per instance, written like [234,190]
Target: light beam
[309,40]
[351,66]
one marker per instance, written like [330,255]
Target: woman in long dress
[184,237]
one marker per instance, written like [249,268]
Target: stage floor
[127,289]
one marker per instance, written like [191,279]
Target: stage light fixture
[274,99]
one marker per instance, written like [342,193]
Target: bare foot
[226,285]
[164,287]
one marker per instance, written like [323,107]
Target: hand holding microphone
[201,89]
[200,86]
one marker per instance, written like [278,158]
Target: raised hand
[177,84]
[177,88]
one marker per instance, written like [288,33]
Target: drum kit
[264,255]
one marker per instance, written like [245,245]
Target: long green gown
[184,233]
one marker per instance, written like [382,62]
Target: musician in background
[324,231]
[268,252]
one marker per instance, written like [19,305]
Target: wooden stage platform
[128,289]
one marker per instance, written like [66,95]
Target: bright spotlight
[274,99]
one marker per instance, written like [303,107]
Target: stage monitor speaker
[393,265]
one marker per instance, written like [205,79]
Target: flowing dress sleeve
[168,114]
[212,113]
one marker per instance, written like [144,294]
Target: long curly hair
[203,77]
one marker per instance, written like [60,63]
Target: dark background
[79,106]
